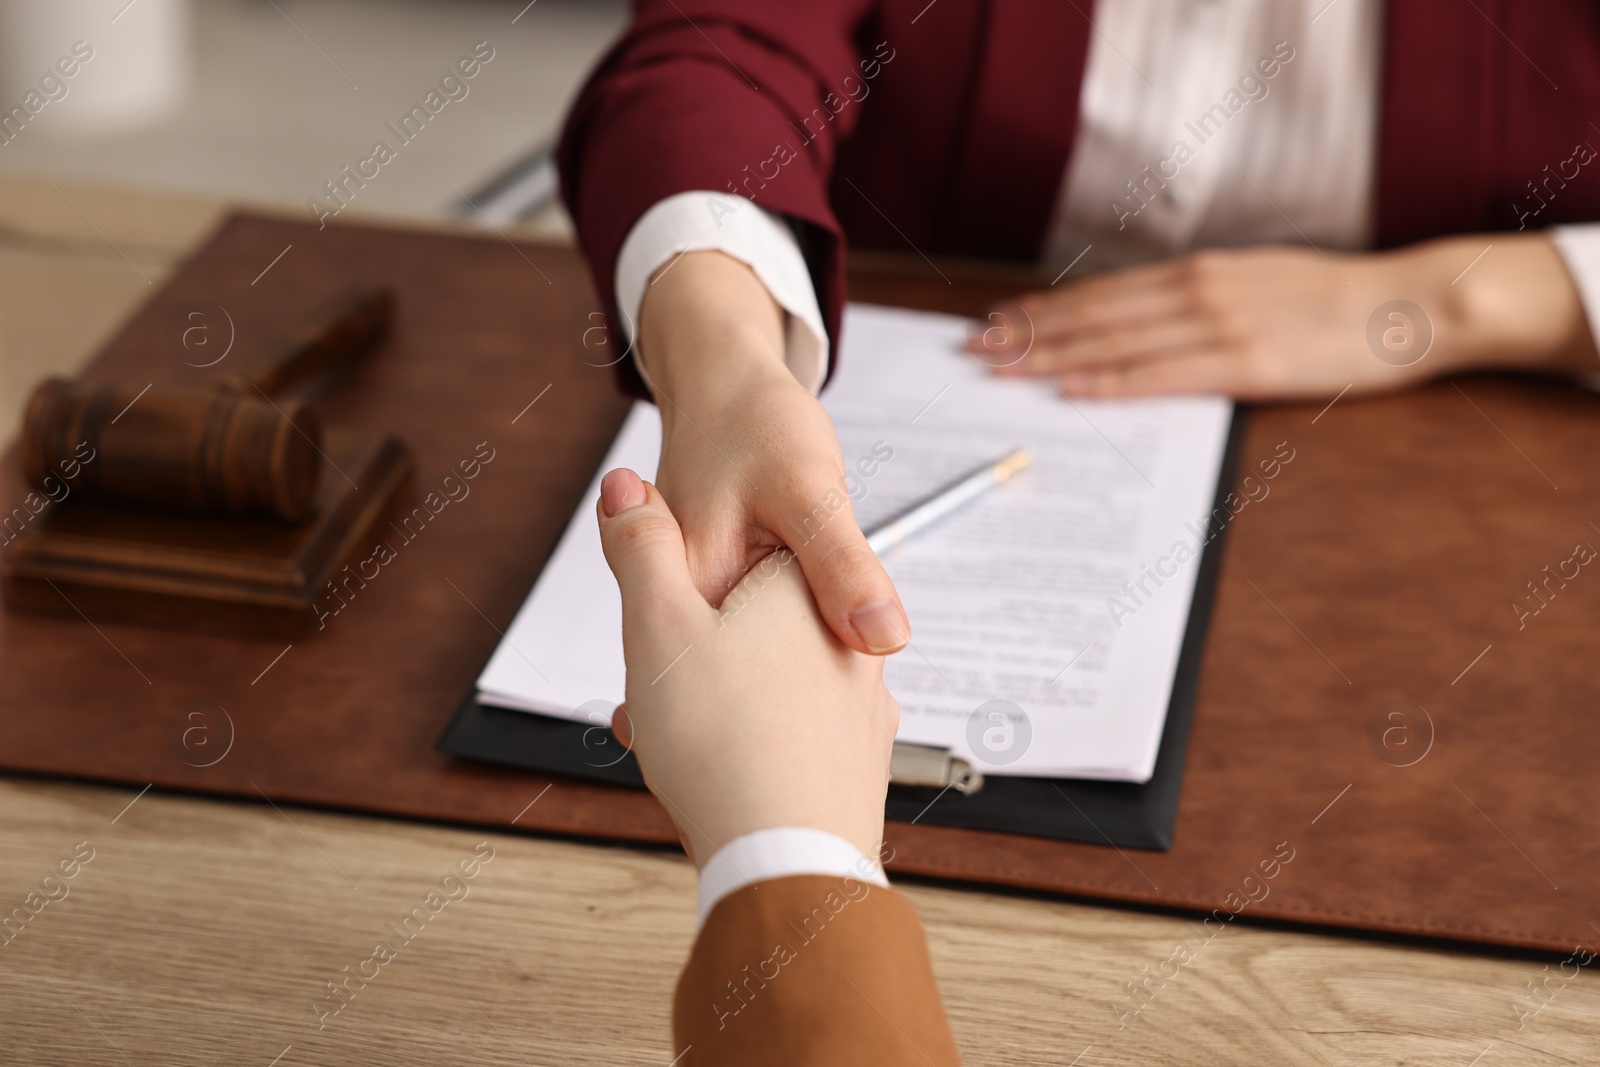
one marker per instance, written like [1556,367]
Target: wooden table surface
[204,931]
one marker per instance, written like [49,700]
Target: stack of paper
[1047,615]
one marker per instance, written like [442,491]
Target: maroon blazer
[947,126]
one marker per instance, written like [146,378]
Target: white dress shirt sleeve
[701,221]
[1580,249]
[780,852]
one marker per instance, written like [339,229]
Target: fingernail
[620,490]
[882,625]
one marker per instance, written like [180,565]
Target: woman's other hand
[1284,323]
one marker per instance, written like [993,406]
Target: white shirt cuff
[1580,248]
[722,222]
[780,852]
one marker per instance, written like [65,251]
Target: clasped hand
[753,717]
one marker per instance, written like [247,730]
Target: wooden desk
[202,931]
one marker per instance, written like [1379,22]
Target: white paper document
[1047,615]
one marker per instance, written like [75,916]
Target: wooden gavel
[231,449]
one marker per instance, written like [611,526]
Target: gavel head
[216,453]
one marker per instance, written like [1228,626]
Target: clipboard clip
[924,765]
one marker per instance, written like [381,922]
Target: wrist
[708,331]
[860,823]
[1515,308]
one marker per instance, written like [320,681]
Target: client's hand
[1279,323]
[748,718]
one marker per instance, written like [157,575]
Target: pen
[942,502]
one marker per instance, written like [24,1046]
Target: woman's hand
[748,718]
[750,460]
[1281,323]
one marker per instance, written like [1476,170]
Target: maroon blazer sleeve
[698,94]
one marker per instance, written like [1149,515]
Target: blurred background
[110,174]
[265,100]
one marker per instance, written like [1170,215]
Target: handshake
[768,742]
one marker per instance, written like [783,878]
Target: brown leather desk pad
[1382,566]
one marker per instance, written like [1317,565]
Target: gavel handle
[339,331]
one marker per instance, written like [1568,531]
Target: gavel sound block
[207,509]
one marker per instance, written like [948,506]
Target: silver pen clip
[923,765]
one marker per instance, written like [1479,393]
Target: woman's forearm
[1516,308]
[708,330]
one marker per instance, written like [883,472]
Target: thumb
[852,590]
[644,547]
